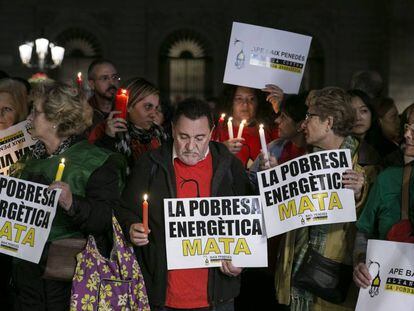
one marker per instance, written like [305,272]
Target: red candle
[145,213]
[121,101]
[79,80]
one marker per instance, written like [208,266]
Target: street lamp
[42,46]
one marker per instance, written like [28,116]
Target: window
[184,67]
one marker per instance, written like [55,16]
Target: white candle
[241,126]
[230,128]
[263,142]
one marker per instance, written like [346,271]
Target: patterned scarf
[39,149]
[143,136]
[315,237]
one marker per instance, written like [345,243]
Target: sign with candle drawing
[391,267]
[201,232]
[14,143]
[27,211]
[306,191]
[258,56]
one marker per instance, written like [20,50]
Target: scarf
[39,149]
[138,135]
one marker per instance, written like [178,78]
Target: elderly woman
[139,133]
[243,104]
[327,126]
[89,186]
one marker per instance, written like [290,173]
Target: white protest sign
[391,266]
[14,143]
[200,232]
[27,211]
[258,56]
[307,191]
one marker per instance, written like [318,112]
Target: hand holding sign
[354,180]
[274,97]
[228,269]
[66,198]
[361,275]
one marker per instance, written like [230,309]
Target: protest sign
[200,232]
[14,143]
[27,211]
[258,56]
[391,267]
[306,191]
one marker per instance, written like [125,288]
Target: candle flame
[62,160]
[124,91]
[223,115]
[230,118]
[80,75]
[261,126]
[145,197]
[244,121]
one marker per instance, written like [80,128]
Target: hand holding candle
[263,142]
[121,101]
[145,213]
[60,170]
[241,126]
[230,127]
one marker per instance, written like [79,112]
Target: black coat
[154,174]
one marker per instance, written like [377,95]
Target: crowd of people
[191,153]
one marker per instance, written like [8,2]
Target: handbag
[61,258]
[323,277]
[108,284]
[403,230]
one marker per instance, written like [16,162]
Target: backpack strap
[405,191]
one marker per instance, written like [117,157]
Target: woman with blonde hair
[89,187]
[13,103]
[139,132]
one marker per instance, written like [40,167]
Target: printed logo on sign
[240,57]
[374,269]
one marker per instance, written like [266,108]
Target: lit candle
[145,213]
[79,80]
[241,126]
[60,169]
[121,101]
[263,142]
[221,120]
[230,128]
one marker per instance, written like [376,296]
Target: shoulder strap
[405,191]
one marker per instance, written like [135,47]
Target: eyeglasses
[309,115]
[408,126]
[107,78]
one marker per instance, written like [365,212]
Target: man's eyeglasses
[310,115]
[408,126]
[107,78]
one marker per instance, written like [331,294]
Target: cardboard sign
[258,56]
